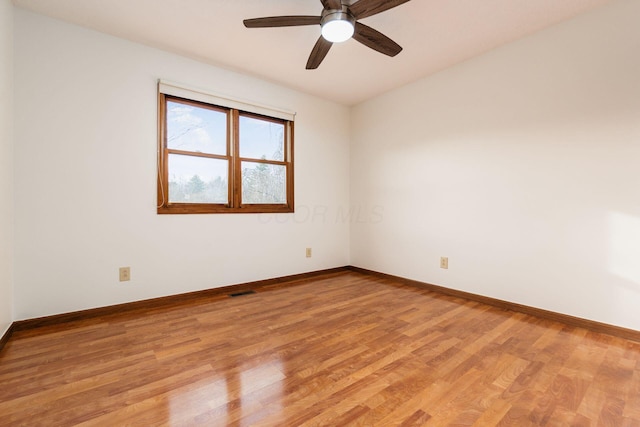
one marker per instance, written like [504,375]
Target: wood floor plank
[342,349]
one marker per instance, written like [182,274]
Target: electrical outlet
[444,262]
[308,253]
[125,274]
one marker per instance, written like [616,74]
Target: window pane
[190,128]
[263,183]
[261,139]
[197,180]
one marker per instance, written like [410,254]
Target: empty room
[319,213]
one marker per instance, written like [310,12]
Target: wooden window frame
[234,204]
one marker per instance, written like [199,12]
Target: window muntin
[222,160]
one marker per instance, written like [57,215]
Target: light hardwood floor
[344,349]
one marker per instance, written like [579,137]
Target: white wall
[522,166]
[6,165]
[85,131]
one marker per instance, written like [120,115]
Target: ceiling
[435,34]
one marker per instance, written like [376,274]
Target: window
[220,159]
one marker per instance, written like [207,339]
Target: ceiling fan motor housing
[337,24]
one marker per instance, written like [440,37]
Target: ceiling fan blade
[332,4]
[281,21]
[376,40]
[363,8]
[318,53]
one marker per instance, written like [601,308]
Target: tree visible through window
[222,160]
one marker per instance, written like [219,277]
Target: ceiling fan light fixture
[337,26]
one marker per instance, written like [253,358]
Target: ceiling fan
[339,22]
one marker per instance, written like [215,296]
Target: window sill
[186,209]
